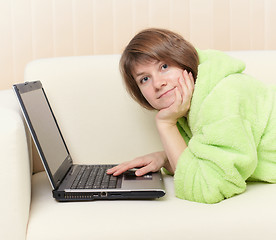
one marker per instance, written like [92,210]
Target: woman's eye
[164,66]
[143,80]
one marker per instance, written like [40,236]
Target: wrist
[164,125]
[160,120]
[168,166]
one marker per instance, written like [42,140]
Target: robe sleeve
[218,160]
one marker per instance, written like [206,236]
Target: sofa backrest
[99,121]
[260,64]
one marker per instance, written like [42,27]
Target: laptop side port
[103,194]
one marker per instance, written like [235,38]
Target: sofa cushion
[250,215]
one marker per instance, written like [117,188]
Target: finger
[192,81]
[181,81]
[184,87]
[188,81]
[116,168]
[192,77]
[178,97]
[128,165]
[142,171]
[188,91]
[146,169]
[121,170]
[112,170]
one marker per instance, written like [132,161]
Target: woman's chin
[165,104]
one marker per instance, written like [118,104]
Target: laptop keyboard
[95,177]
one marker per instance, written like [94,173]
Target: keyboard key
[94,177]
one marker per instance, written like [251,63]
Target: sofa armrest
[15,170]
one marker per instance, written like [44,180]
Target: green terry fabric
[230,132]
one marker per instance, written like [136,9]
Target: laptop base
[104,195]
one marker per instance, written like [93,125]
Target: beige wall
[31,29]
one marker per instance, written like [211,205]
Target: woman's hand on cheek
[182,102]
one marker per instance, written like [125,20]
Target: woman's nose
[159,82]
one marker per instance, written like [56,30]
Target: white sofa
[101,124]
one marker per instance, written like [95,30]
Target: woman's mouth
[165,93]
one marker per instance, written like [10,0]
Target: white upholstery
[101,124]
[15,173]
[249,216]
[99,121]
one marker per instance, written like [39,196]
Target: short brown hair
[160,45]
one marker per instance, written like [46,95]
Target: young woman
[217,125]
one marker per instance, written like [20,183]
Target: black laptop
[69,181]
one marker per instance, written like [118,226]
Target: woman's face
[157,81]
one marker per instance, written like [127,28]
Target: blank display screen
[45,128]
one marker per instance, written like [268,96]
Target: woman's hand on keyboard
[152,162]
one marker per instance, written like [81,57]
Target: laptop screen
[44,129]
